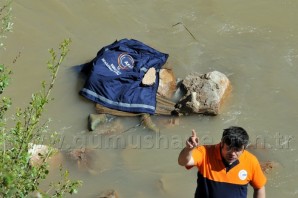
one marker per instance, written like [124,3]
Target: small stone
[150,77]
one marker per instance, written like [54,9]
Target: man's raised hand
[193,140]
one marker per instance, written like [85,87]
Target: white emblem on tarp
[125,61]
[242,174]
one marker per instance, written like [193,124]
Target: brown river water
[255,43]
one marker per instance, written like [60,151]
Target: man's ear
[221,144]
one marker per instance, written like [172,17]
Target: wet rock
[38,153]
[108,194]
[150,77]
[204,93]
[167,83]
[84,159]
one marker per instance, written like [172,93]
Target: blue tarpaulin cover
[115,76]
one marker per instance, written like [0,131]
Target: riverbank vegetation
[26,128]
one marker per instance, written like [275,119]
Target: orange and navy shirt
[215,179]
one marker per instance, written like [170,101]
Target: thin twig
[180,23]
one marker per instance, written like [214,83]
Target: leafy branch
[18,176]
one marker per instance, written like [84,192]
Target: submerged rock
[108,194]
[268,166]
[204,93]
[84,158]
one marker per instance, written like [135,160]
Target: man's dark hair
[235,137]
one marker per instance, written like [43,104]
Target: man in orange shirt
[224,169]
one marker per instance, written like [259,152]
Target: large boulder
[204,93]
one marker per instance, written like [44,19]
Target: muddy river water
[255,43]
